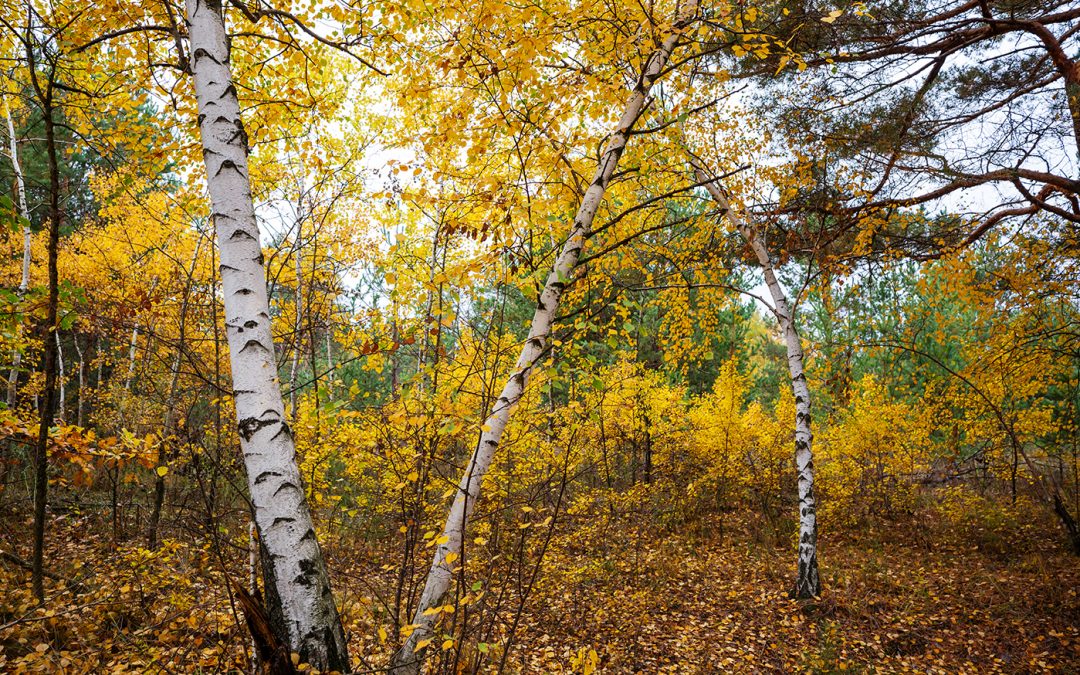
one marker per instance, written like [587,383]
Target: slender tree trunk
[329,361]
[133,348]
[24,284]
[80,407]
[61,414]
[41,454]
[170,412]
[293,565]
[807,581]
[408,660]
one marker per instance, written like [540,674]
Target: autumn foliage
[416,169]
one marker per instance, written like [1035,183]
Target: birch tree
[297,584]
[409,659]
[807,580]
[24,213]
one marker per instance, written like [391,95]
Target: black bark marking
[308,572]
[253,344]
[228,164]
[266,474]
[281,520]
[239,135]
[201,53]
[283,430]
[310,534]
[284,486]
[241,233]
[250,426]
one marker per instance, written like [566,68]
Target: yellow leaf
[448,644]
[421,645]
[162,470]
[382,635]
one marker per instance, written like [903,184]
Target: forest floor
[703,598]
[894,601]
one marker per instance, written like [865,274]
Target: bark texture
[295,574]
[807,581]
[409,659]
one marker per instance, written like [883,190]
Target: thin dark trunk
[41,450]
[167,439]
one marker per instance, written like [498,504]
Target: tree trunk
[133,348]
[41,450]
[408,660]
[807,581]
[61,413]
[80,406]
[24,284]
[170,413]
[294,570]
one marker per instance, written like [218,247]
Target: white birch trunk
[297,585]
[24,212]
[329,362]
[133,347]
[80,408]
[62,403]
[409,659]
[807,582]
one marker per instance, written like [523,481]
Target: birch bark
[61,415]
[807,580]
[296,581]
[409,659]
[24,212]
